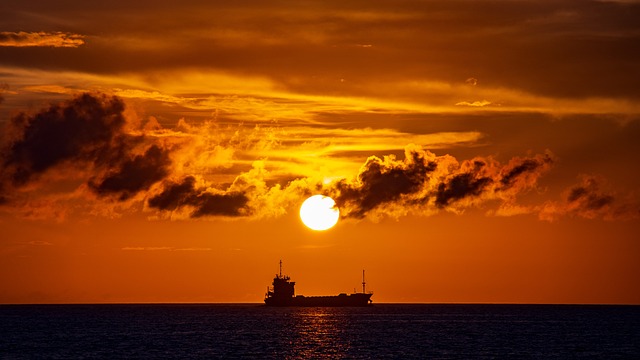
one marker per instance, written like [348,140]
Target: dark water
[382,331]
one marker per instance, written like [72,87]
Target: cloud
[460,186]
[493,43]
[200,200]
[89,138]
[149,248]
[383,181]
[134,174]
[82,129]
[40,39]
[423,183]
[476,103]
[48,89]
[86,133]
[161,248]
[589,200]
[524,172]
[40,243]
[207,171]
[93,142]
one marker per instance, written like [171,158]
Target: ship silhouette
[282,293]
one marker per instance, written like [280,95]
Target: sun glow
[319,212]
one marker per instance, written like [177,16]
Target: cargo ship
[282,293]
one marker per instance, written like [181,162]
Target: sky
[478,151]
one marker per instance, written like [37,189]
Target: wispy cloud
[476,103]
[162,248]
[40,243]
[40,39]
[252,99]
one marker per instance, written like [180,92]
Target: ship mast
[363,283]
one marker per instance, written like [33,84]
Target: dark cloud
[174,195]
[85,132]
[82,129]
[232,204]
[588,196]
[382,181]
[88,135]
[481,177]
[513,172]
[134,175]
[200,200]
[590,200]
[460,186]
[424,180]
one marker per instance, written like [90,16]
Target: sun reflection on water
[319,331]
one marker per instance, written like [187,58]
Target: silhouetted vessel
[283,294]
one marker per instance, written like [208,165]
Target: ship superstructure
[282,293]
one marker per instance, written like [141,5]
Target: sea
[380,331]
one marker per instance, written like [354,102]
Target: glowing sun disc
[319,212]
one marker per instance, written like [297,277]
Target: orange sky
[479,151]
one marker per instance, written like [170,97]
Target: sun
[319,212]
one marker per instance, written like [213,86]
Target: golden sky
[479,151]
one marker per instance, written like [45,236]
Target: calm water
[377,332]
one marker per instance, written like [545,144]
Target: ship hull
[357,299]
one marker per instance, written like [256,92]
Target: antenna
[280,267]
[363,283]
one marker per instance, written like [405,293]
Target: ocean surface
[382,331]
